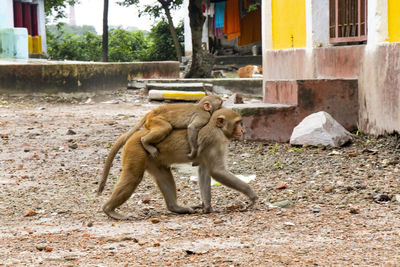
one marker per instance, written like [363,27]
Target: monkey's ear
[207,106]
[220,121]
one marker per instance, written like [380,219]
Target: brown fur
[213,139]
[249,71]
[163,119]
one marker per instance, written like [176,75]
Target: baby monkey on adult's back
[161,120]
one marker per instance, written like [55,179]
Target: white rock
[320,129]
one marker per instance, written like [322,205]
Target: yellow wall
[289,20]
[394,20]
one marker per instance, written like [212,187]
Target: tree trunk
[165,5]
[105,32]
[202,61]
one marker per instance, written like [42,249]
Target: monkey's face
[230,123]
[238,130]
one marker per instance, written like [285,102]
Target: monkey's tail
[113,152]
[107,165]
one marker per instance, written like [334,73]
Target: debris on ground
[339,206]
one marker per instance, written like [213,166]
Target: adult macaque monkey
[161,120]
[213,139]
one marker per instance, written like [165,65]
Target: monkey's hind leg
[159,129]
[130,178]
[166,183]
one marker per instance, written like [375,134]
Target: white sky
[90,12]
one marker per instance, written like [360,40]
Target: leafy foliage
[69,46]
[154,8]
[82,43]
[72,29]
[161,45]
[126,46]
[57,7]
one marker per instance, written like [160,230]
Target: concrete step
[251,87]
[287,103]
[176,95]
[266,121]
[179,86]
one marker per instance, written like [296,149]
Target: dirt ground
[318,206]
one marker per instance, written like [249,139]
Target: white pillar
[6,14]
[317,23]
[266,25]
[187,30]
[42,25]
[378,31]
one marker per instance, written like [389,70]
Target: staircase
[287,102]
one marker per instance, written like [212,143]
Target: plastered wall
[288,23]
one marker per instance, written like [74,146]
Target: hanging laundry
[251,28]
[219,14]
[232,19]
[217,32]
[211,10]
[242,8]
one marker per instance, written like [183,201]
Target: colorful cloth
[217,32]
[251,28]
[219,14]
[232,19]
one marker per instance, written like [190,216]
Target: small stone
[71,132]
[4,136]
[30,213]
[40,248]
[89,224]
[397,197]
[354,211]
[155,220]
[141,243]
[328,189]
[283,204]
[218,221]
[316,209]
[156,244]
[146,200]
[288,224]
[73,146]
[352,154]
[48,249]
[381,198]
[280,186]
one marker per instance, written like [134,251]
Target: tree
[105,32]
[124,46]
[86,47]
[161,46]
[155,11]
[202,61]
[127,46]
[57,7]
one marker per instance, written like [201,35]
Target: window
[347,21]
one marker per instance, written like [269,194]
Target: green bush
[161,46]
[72,43]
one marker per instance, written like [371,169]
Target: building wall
[394,20]
[6,8]
[288,24]
[376,65]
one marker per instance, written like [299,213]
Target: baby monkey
[161,120]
